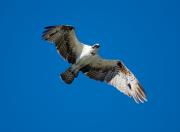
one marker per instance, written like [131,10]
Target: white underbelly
[85,56]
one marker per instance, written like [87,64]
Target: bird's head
[96,46]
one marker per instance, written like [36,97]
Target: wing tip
[63,26]
[139,94]
[67,27]
[50,31]
[48,27]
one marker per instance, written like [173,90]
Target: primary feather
[116,74]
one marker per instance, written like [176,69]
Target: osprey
[84,58]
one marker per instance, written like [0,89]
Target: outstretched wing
[115,73]
[65,40]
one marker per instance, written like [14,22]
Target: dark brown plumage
[64,39]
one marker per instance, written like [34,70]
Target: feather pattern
[115,73]
[65,40]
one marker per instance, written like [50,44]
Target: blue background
[143,34]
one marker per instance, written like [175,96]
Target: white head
[95,48]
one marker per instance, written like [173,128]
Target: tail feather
[67,76]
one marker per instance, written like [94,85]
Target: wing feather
[115,73]
[65,40]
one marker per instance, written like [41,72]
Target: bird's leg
[76,73]
[75,69]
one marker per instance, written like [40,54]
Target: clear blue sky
[144,34]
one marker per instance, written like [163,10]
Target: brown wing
[65,40]
[116,74]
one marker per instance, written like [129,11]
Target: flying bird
[84,58]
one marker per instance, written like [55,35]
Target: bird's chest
[85,55]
